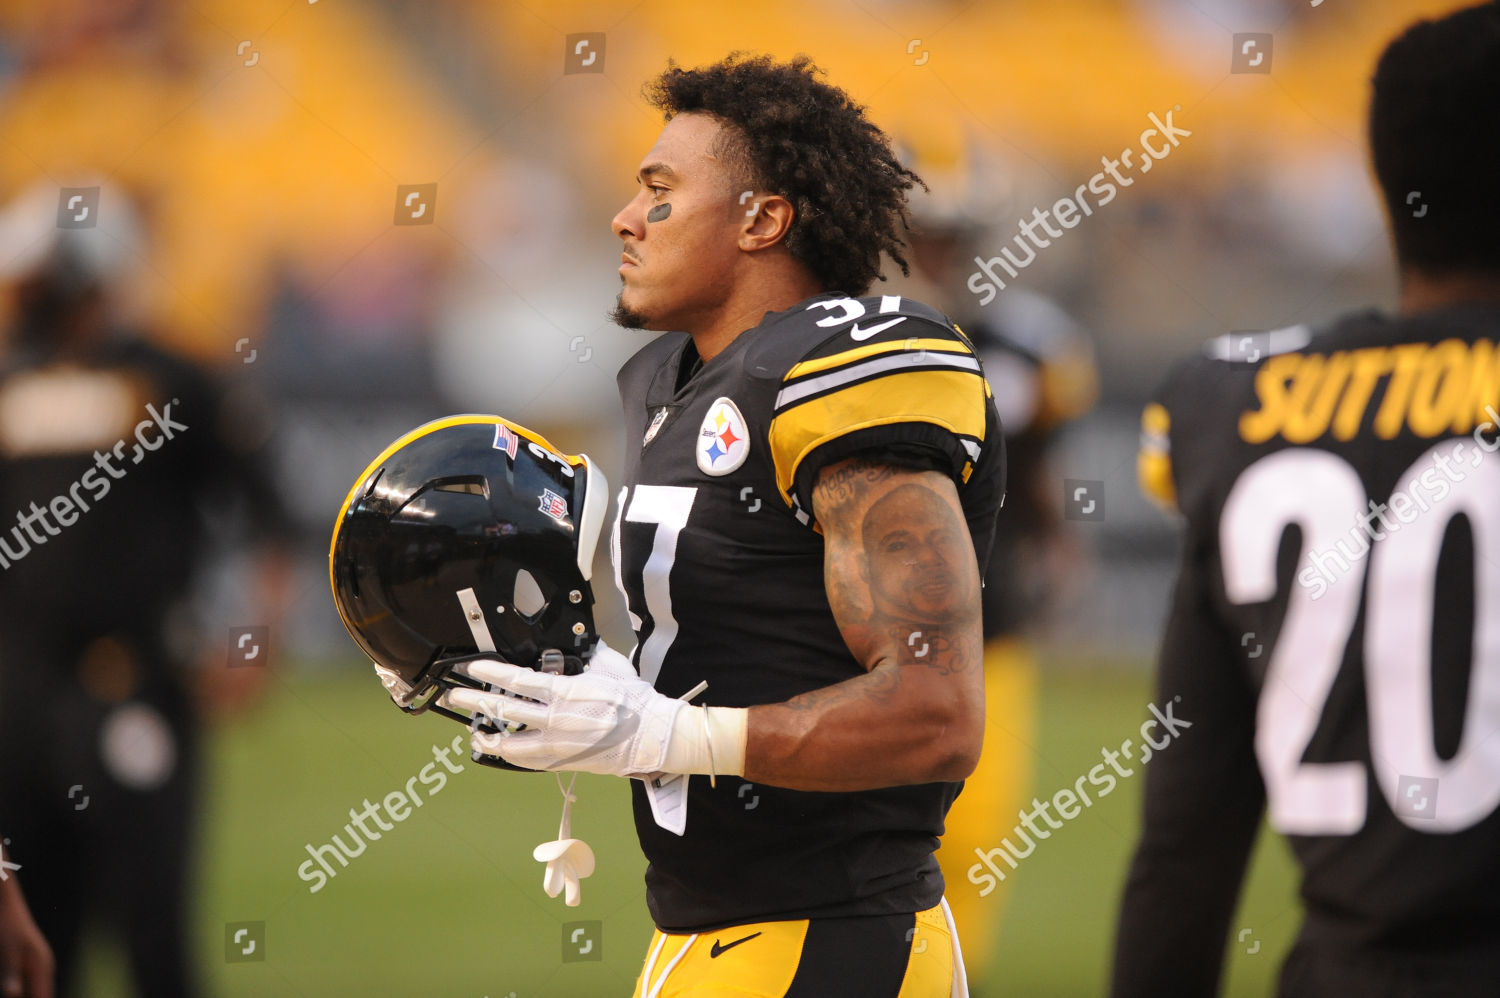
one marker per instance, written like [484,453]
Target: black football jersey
[108,462]
[721,564]
[1334,640]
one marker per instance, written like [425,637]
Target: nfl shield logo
[656,421]
[554,505]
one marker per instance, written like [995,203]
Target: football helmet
[469,536]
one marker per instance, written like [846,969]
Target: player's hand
[607,720]
[25,958]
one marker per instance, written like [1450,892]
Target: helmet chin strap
[483,640]
[568,860]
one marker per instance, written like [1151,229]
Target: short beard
[626,317]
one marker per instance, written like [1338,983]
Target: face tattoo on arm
[901,578]
[915,551]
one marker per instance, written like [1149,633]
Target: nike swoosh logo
[863,334]
[717,949]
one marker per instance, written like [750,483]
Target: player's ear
[768,218]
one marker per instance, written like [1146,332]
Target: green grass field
[450,903]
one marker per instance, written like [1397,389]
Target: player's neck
[1422,292]
[747,303]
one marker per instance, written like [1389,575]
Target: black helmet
[470,534]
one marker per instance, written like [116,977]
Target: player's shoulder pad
[831,323]
[1195,387]
[865,372]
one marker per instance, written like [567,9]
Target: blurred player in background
[1334,639]
[1040,364]
[811,486]
[111,452]
[26,964]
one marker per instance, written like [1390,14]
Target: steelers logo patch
[723,439]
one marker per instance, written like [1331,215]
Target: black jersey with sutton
[1335,643]
[721,563]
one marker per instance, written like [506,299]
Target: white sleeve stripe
[878,365]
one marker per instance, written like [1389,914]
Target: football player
[1334,638]
[126,447]
[809,498]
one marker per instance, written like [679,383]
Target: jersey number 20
[1321,493]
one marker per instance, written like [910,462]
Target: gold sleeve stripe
[871,350]
[876,366]
[952,399]
[1154,464]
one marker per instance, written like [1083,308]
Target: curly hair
[794,135]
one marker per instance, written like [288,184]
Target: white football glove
[607,720]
